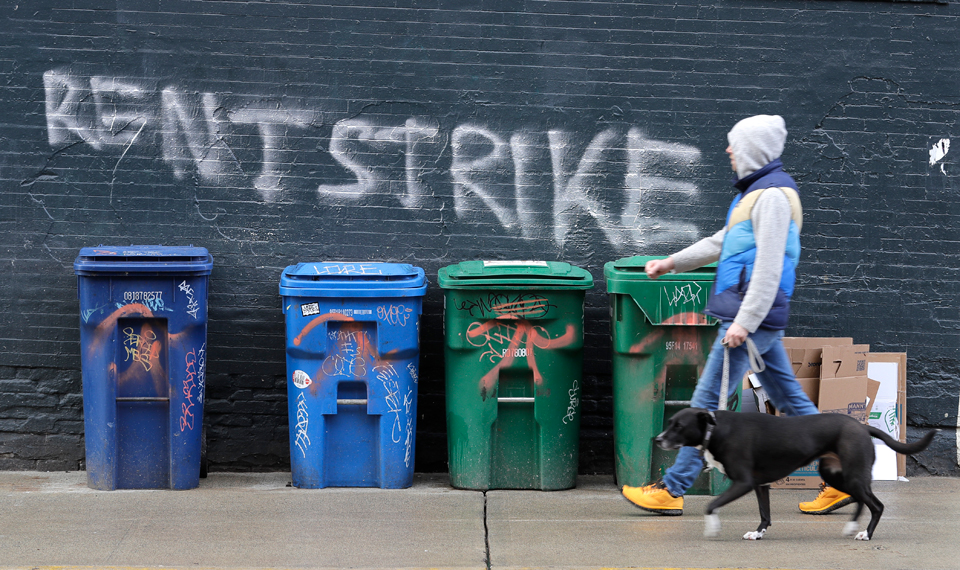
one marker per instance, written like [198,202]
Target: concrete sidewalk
[259,521]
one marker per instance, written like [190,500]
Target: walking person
[757,250]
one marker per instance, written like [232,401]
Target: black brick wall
[432,132]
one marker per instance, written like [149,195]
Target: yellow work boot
[654,498]
[827,501]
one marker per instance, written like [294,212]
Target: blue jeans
[777,379]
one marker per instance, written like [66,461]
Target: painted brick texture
[432,132]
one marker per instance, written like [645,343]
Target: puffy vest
[739,249]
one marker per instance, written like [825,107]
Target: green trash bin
[514,355]
[661,340]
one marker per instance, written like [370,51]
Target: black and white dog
[754,450]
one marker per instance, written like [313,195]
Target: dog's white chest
[712,462]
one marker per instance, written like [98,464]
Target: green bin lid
[671,299]
[514,274]
[632,269]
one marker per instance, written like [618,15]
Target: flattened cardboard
[900,359]
[883,416]
[885,462]
[872,388]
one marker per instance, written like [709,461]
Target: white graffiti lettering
[502,175]
[350,336]
[301,439]
[193,306]
[195,129]
[388,376]
[408,442]
[116,116]
[359,145]
[349,269]
[397,315]
[272,125]
[574,394]
[346,364]
[201,372]
[187,418]
[685,294]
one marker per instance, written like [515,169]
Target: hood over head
[756,141]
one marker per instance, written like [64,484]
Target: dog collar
[706,438]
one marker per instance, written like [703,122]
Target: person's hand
[657,267]
[736,335]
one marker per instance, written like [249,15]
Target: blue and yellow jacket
[739,250]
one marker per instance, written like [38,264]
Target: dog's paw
[755,535]
[850,529]
[711,527]
[862,536]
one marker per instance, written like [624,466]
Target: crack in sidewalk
[486,534]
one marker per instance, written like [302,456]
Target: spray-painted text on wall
[535,184]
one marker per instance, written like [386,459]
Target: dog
[754,450]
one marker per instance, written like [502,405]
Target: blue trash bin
[353,351]
[143,333]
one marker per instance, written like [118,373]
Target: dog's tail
[904,448]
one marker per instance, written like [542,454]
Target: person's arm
[771,223]
[697,255]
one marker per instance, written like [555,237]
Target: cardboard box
[833,374]
[844,396]
[805,353]
[811,387]
[844,387]
[844,361]
[842,377]
[804,478]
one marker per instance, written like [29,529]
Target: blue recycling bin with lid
[353,353]
[143,335]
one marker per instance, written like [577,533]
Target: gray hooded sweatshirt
[755,141]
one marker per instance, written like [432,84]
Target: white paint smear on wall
[939,151]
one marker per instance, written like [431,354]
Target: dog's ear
[707,418]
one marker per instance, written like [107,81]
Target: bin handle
[351,402]
[516,400]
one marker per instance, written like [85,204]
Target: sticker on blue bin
[352,312]
[310,309]
[301,379]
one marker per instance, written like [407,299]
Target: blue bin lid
[352,279]
[114,260]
